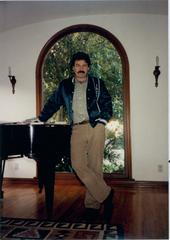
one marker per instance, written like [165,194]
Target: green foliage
[106,64]
[113,161]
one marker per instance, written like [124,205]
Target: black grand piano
[48,144]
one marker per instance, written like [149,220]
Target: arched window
[119,82]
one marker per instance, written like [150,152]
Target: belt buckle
[83,122]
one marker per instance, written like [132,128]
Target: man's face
[81,69]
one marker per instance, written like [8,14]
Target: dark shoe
[108,206]
[91,214]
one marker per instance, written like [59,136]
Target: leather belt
[81,123]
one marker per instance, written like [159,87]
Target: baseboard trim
[10,180]
[71,179]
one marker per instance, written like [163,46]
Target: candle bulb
[157,61]
[9,71]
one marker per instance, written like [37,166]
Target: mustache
[81,72]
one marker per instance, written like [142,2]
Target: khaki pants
[87,146]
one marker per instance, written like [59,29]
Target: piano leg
[2,167]
[40,174]
[47,179]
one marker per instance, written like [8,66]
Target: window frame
[126,85]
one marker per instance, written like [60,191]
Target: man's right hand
[32,120]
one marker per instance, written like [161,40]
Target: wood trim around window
[126,88]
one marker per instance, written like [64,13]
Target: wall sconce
[12,79]
[156,71]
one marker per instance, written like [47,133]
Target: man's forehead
[81,61]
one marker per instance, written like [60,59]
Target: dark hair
[80,56]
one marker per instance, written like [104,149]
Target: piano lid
[50,124]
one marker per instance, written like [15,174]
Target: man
[89,107]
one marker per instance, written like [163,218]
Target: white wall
[143,37]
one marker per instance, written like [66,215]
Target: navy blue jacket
[99,104]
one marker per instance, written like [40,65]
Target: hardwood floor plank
[142,211]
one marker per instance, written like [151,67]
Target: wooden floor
[143,211]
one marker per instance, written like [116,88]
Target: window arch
[125,77]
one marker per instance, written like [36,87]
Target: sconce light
[12,79]
[156,71]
